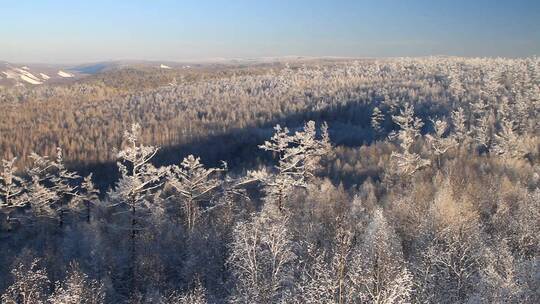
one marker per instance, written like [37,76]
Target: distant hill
[34,74]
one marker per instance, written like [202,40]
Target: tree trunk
[87,212]
[133,251]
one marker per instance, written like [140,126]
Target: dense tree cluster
[438,200]
[88,118]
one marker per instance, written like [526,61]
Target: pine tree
[406,161]
[63,183]
[299,156]
[52,187]
[461,132]
[193,185]
[12,189]
[40,196]
[482,132]
[377,118]
[138,180]
[507,141]
[440,143]
[88,197]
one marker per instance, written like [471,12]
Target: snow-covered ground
[30,79]
[44,76]
[64,74]
[22,74]
[165,66]
[27,76]
[10,74]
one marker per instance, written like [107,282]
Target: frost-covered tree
[407,161]
[193,185]
[461,132]
[197,295]
[452,262]
[12,189]
[500,280]
[507,141]
[40,196]
[262,258]
[51,187]
[299,156]
[378,270]
[88,197]
[377,118]
[439,141]
[139,179]
[64,184]
[482,131]
[456,85]
[279,185]
[77,288]
[30,284]
[492,82]
[326,276]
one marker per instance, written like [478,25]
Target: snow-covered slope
[18,75]
[32,74]
[64,74]
[25,75]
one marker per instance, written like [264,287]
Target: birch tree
[197,295]
[30,283]
[326,276]
[262,258]
[378,270]
[77,288]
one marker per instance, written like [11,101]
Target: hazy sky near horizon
[71,31]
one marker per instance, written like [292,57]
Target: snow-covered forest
[412,180]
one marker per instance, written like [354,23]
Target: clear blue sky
[94,30]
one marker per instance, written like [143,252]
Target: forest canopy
[370,181]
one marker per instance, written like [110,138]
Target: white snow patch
[25,68]
[44,76]
[10,74]
[165,66]
[24,75]
[27,74]
[64,74]
[30,80]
